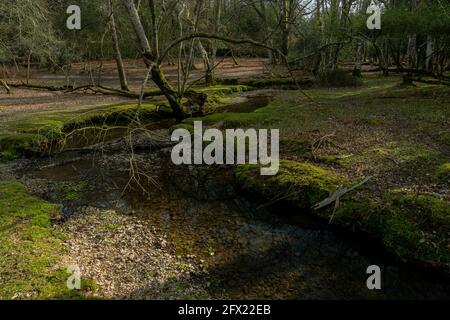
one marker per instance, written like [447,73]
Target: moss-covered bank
[31,248]
[301,184]
[413,226]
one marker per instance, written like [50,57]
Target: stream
[251,250]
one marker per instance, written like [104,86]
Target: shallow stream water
[251,251]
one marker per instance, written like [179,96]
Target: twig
[336,197]
[319,142]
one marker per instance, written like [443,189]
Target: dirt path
[136,70]
[26,100]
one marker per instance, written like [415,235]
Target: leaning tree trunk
[209,68]
[117,53]
[152,62]
[169,92]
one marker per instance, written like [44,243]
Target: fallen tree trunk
[92,88]
[42,87]
[412,72]
[5,85]
[115,92]
[436,82]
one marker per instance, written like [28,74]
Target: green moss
[417,226]
[8,155]
[297,145]
[224,89]
[14,144]
[412,156]
[443,171]
[213,102]
[444,137]
[184,247]
[70,191]
[413,226]
[262,117]
[301,184]
[113,114]
[187,126]
[30,247]
[357,215]
[371,121]
[35,132]
[328,159]
[409,152]
[401,236]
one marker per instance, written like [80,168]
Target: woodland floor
[398,135]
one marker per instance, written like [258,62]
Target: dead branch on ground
[5,85]
[336,197]
[95,89]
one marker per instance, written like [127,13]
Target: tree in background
[26,33]
[315,36]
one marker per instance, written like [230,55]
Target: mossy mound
[264,117]
[301,184]
[31,135]
[114,114]
[30,248]
[417,226]
[414,227]
[187,126]
[14,145]
[224,89]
